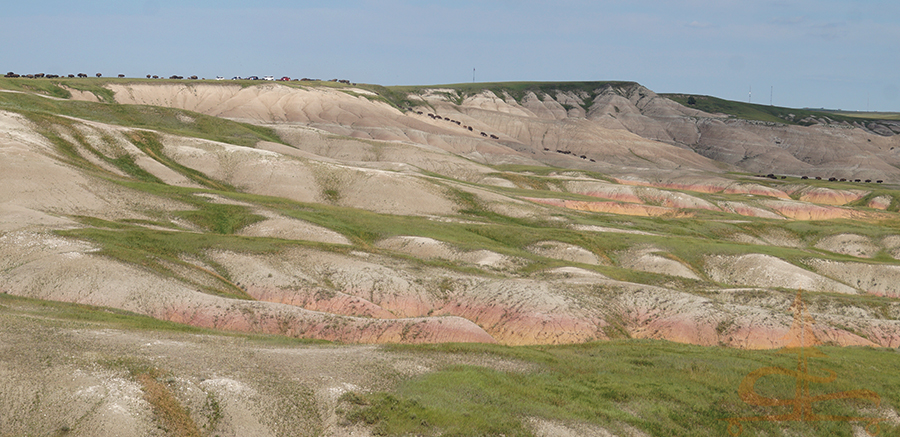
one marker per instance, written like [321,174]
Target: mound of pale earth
[428,248]
[575,272]
[273,174]
[892,244]
[512,311]
[61,189]
[278,226]
[51,268]
[756,190]
[880,202]
[771,237]
[758,270]
[593,228]
[564,251]
[625,193]
[849,244]
[524,311]
[647,259]
[708,185]
[807,211]
[652,312]
[827,196]
[744,209]
[877,279]
[621,193]
[608,207]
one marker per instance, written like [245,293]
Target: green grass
[661,388]
[768,113]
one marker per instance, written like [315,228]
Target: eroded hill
[510,214]
[518,216]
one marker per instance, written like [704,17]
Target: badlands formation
[536,215]
[510,214]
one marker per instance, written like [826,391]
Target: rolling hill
[503,214]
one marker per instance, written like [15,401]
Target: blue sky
[803,53]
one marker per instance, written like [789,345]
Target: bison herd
[569,152]
[456,122]
[818,178]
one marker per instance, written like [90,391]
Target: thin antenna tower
[473,75]
[771,91]
[750,94]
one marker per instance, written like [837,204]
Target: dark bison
[804,177]
[121,76]
[98,75]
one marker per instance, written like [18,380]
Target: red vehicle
[285,79]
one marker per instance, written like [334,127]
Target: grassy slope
[774,114]
[661,388]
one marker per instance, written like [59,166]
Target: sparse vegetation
[656,387]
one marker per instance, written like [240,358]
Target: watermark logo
[801,342]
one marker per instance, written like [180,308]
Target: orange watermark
[801,342]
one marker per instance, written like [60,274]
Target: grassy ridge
[768,113]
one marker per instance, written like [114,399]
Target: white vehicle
[269,78]
[220,78]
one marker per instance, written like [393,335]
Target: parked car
[285,79]
[268,77]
